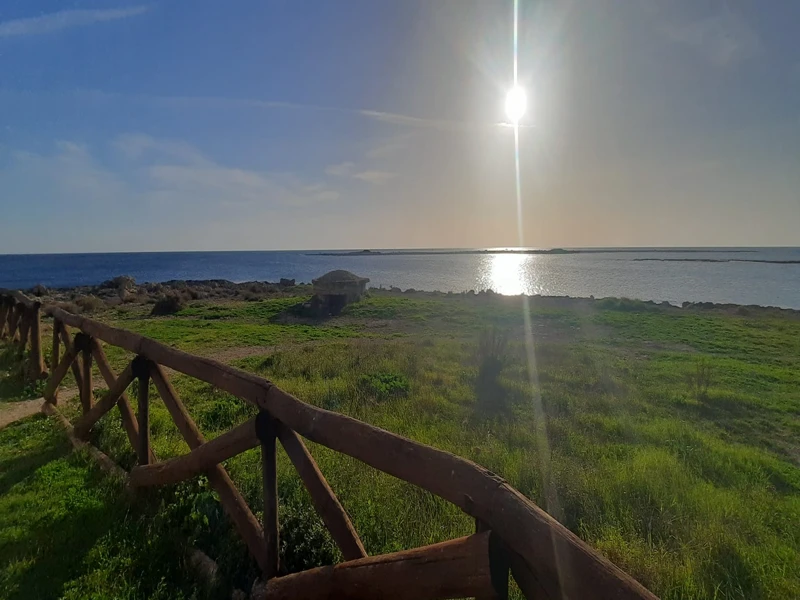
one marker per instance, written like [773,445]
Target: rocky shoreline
[175,294]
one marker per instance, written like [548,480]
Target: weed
[382,386]
[700,379]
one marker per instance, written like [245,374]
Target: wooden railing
[512,533]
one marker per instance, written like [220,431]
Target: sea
[757,276]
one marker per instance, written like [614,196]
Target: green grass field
[667,438]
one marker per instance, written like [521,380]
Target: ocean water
[725,275]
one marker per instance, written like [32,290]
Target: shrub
[385,385]
[89,304]
[626,305]
[121,282]
[168,305]
[700,379]
[70,307]
[305,543]
[492,358]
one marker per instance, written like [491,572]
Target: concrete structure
[336,289]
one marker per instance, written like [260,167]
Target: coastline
[125,290]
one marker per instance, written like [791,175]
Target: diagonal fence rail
[512,533]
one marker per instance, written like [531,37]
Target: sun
[516,104]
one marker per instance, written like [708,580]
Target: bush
[626,305]
[89,304]
[168,305]
[305,542]
[121,282]
[70,307]
[385,385]
[492,357]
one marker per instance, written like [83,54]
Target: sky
[283,124]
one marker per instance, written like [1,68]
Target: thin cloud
[225,103]
[374,177]
[344,169]
[409,121]
[724,39]
[65,19]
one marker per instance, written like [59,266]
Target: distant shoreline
[535,251]
[721,260]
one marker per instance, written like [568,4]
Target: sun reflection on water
[510,274]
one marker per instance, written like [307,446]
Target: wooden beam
[36,364]
[4,304]
[58,374]
[237,440]
[88,420]
[76,365]
[454,569]
[564,564]
[498,562]
[237,509]
[267,435]
[55,354]
[21,298]
[141,368]
[15,321]
[84,344]
[129,421]
[325,501]
[24,327]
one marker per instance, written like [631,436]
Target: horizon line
[411,249]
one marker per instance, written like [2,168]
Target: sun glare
[516,104]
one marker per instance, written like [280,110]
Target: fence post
[3,315]
[267,433]
[141,370]
[37,370]
[24,328]
[56,352]
[13,321]
[83,344]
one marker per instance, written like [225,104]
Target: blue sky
[320,124]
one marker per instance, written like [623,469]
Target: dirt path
[14,411]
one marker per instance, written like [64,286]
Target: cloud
[73,176]
[65,19]
[374,177]
[137,145]
[349,170]
[391,146]
[96,96]
[724,39]
[419,122]
[344,169]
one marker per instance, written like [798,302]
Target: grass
[694,489]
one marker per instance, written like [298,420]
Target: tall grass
[694,490]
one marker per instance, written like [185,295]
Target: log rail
[545,559]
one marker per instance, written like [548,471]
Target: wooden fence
[512,533]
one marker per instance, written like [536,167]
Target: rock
[286,282]
[39,290]
[123,282]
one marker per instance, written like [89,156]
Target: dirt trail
[14,411]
